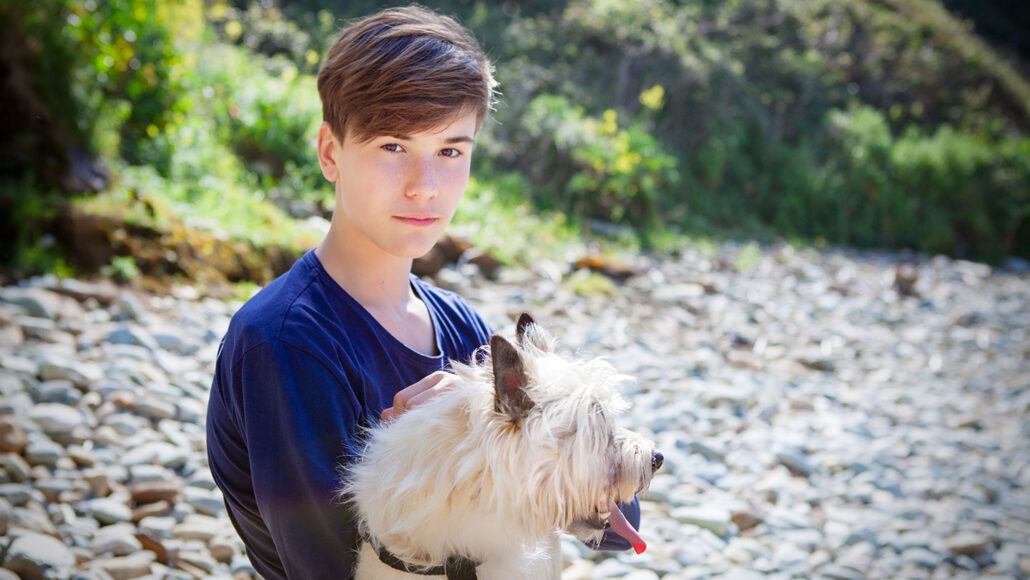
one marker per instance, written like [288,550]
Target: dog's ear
[520,327]
[510,380]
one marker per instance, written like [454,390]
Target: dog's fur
[523,446]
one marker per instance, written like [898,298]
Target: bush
[946,192]
[269,119]
[593,167]
[132,74]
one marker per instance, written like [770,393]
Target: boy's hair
[403,71]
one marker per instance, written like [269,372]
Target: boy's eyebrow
[448,140]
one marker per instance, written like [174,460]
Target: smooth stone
[131,306]
[611,568]
[125,567]
[167,337]
[82,456]
[157,452]
[158,508]
[15,466]
[133,335]
[12,437]
[109,510]
[60,391]
[6,515]
[796,463]
[157,526]
[191,410]
[149,472]
[155,409]
[19,494]
[193,529]
[18,364]
[38,328]
[715,519]
[641,575]
[33,555]
[104,292]
[57,419]
[223,548]
[81,374]
[145,492]
[921,557]
[11,333]
[198,559]
[35,301]
[241,564]
[967,544]
[744,519]
[116,540]
[207,502]
[43,451]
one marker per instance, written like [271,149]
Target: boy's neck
[377,282]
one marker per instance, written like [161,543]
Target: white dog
[479,481]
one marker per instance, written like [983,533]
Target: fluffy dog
[479,481]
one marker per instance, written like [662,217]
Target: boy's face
[396,194]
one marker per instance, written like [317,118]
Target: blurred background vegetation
[176,137]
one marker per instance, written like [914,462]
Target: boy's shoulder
[268,313]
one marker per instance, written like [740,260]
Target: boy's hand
[418,393]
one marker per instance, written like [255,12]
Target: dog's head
[578,463]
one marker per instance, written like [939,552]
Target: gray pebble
[34,555]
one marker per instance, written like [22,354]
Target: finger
[427,382]
[436,390]
[412,394]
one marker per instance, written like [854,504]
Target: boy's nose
[422,180]
[657,460]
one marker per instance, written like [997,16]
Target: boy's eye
[393,147]
[450,152]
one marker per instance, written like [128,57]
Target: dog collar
[454,567]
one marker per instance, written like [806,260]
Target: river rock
[56,419]
[37,556]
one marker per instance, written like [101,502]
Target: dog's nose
[657,460]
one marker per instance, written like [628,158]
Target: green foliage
[130,76]
[269,118]
[263,29]
[866,122]
[594,168]
[121,268]
[752,113]
[497,215]
[590,284]
[947,192]
[31,250]
[221,205]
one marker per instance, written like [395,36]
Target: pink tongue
[622,527]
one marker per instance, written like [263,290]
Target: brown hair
[403,71]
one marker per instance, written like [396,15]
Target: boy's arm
[278,428]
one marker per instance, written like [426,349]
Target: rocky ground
[822,415]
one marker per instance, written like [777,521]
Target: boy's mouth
[416,220]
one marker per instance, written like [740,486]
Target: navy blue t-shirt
[302,367]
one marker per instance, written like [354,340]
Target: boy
[331,345]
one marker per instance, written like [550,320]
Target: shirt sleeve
[280,424]
[612,542]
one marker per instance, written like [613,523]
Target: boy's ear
[326,144]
